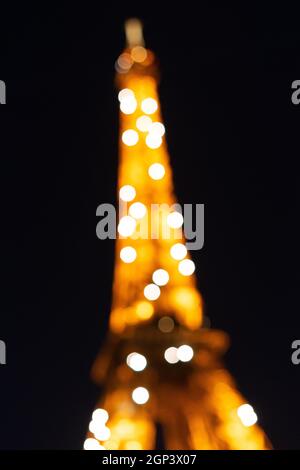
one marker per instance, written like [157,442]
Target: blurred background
[232,133]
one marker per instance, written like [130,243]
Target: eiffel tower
[164,384]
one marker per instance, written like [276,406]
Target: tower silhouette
[164,385]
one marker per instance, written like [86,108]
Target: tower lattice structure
[164,384]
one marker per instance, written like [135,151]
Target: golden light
[160,277]
[127,226]
[166,324]
[128,105]
[137,210]
[133,445]
[153,141]
[125,93]
[186,267]
[178,251]
[139,54]
[102,434]
[130,137]
[124,428]
[175,220]
[185,353]
[143,123]
[92,444]
[170,355]
[136,361]
[96,426]
[149,105]
[156,171]
[152,292]
[144,310]
[247,415]
[157,128]
[100,415]
[127,193]
[140,395]
[128,254]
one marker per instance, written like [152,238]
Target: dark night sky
[233,139]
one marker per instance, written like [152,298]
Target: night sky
[233,137]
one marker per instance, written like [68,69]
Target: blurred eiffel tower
[164,385]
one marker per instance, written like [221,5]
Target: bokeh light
[136,361]
[152,292]
[186,267]
[128,254]
[140,395]
[160,277]
[127,193]
[149,105]
[156,171]
[130,137]
[178,251]
[127,226]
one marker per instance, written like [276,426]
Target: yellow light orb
[166,324]
[186,298]
[125,93]
[149,105]
[153,141]
[247,415]
[143,123]
[186,267]
[92,426]
[137,210]
[127,193]
[133,445]
[144,310]
[178,251]
[170,355]
[138,54]
[92,444]
[160,277]
[136,361]
[128,254]
[140,395]
[175,220]
[127,226]
[124,63]
[185,353]
[152,292]
[156,171]
[130,137]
